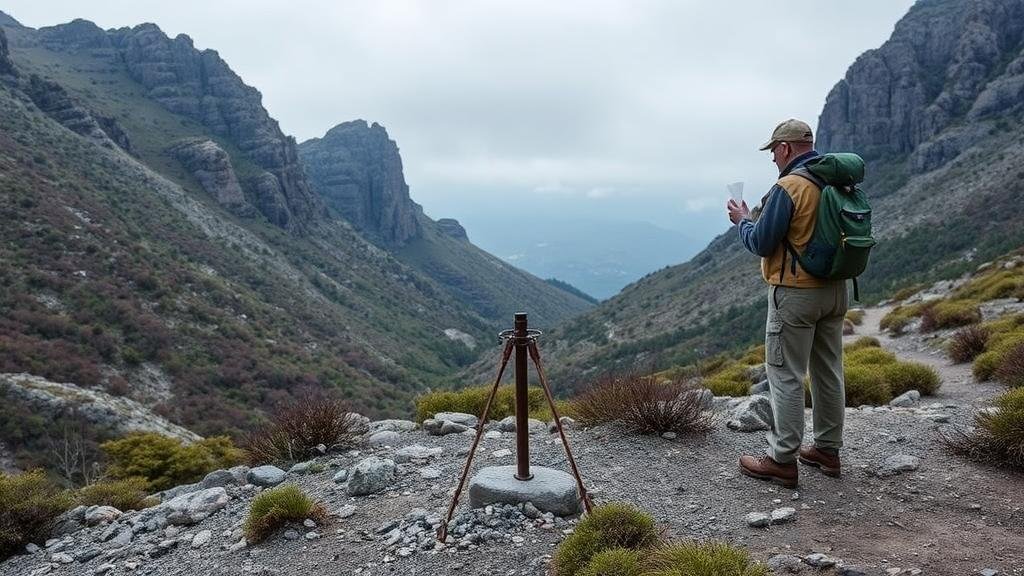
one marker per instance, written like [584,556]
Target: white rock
[783,515]
[898,463]
[503,453]
[492,435]
[340,476]
[757,519]
[383,438]
[196,506]
[907,399]
[430,473]
[346,511]
[417,452]
[265,476]
[371,475]
[99,514]
[202,538]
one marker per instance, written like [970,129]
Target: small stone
[62,558]
[291,535]
[898,463]
[783,515]
[383,438]
[100,514]
[782,563]
[87,554]
[668,435]
[103,568]
[757,519]
[346,511]
[819,560]
[906,400]
[503,453]
[308,523]
[449,427]
[340,476]
[467,420]
[492,435]
[430,473]
[850,571]
[988,572]
[312,535]
[300,468]
[417,452]
[202,538]
[265,476]
[405,552]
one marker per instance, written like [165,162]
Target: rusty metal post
[522,400]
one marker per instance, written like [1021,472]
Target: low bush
[1010,370]
[646,404]
[866,385]
[998,435]
[29,505]
[949,314]
[613,562]
[904,376]
[297,428]
[607,527]
[855,316]
[862,342]
[732,380]
[166,462]
[276,507]
[703,558]
[127,494]
[472,400]
[996,349]
[897,320]
[904,293]
[870,356]
[999,283]
[967,343]
[753,356]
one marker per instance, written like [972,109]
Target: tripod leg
[442,530]
[535,355]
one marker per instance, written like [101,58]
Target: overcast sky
[636,109]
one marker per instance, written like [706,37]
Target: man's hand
[737,212]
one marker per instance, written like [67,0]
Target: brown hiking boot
[764,468]
[827,463]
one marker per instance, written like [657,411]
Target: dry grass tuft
[645,404]
[296,430]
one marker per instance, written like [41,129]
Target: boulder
[383,438]
[265,476]
[392,425]
[195,507]
[370,476]
[217,478]
[467,420]
[101,514]
[752,414]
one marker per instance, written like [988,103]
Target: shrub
[699,559]
[645,404]
[997,347]
[1010,370]
[866,385]
[730,381]
[29,505]
[297,428]
[276,507]
[472,400]
[753,356]
[607,527]
[862,342]
[855,316]
[870,357]
[904,376]
[904,293]
[998,435]
[613,562]
[127,494]
[899,317]
[949,314]
[998,284]
[967,343]
[165,462]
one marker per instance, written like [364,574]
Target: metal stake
[522,400]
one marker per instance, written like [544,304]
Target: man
[805,316]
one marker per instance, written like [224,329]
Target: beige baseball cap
[791,130]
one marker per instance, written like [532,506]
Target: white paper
[736,191]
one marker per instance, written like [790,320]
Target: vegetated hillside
[357,169]
[936,112]
[162,242]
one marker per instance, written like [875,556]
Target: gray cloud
[630,106]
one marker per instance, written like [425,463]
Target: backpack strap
[856,290]
[808,175]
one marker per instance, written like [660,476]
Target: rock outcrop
[211,167]
[6,66]
[356,168]
[200,85]
[945,63]
[451,227]
[119,415]
[55,101]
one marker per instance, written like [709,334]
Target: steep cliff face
[356,168]
[948,66]
[211,167]
[200,85]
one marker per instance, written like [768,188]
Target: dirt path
[958,384]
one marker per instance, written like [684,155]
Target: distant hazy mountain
[597,257]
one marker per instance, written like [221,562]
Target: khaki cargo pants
[805,331]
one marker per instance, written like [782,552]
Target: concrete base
[550,490]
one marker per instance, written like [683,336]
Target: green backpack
[841,241]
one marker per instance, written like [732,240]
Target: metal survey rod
[522,400]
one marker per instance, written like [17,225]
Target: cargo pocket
[773,344]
